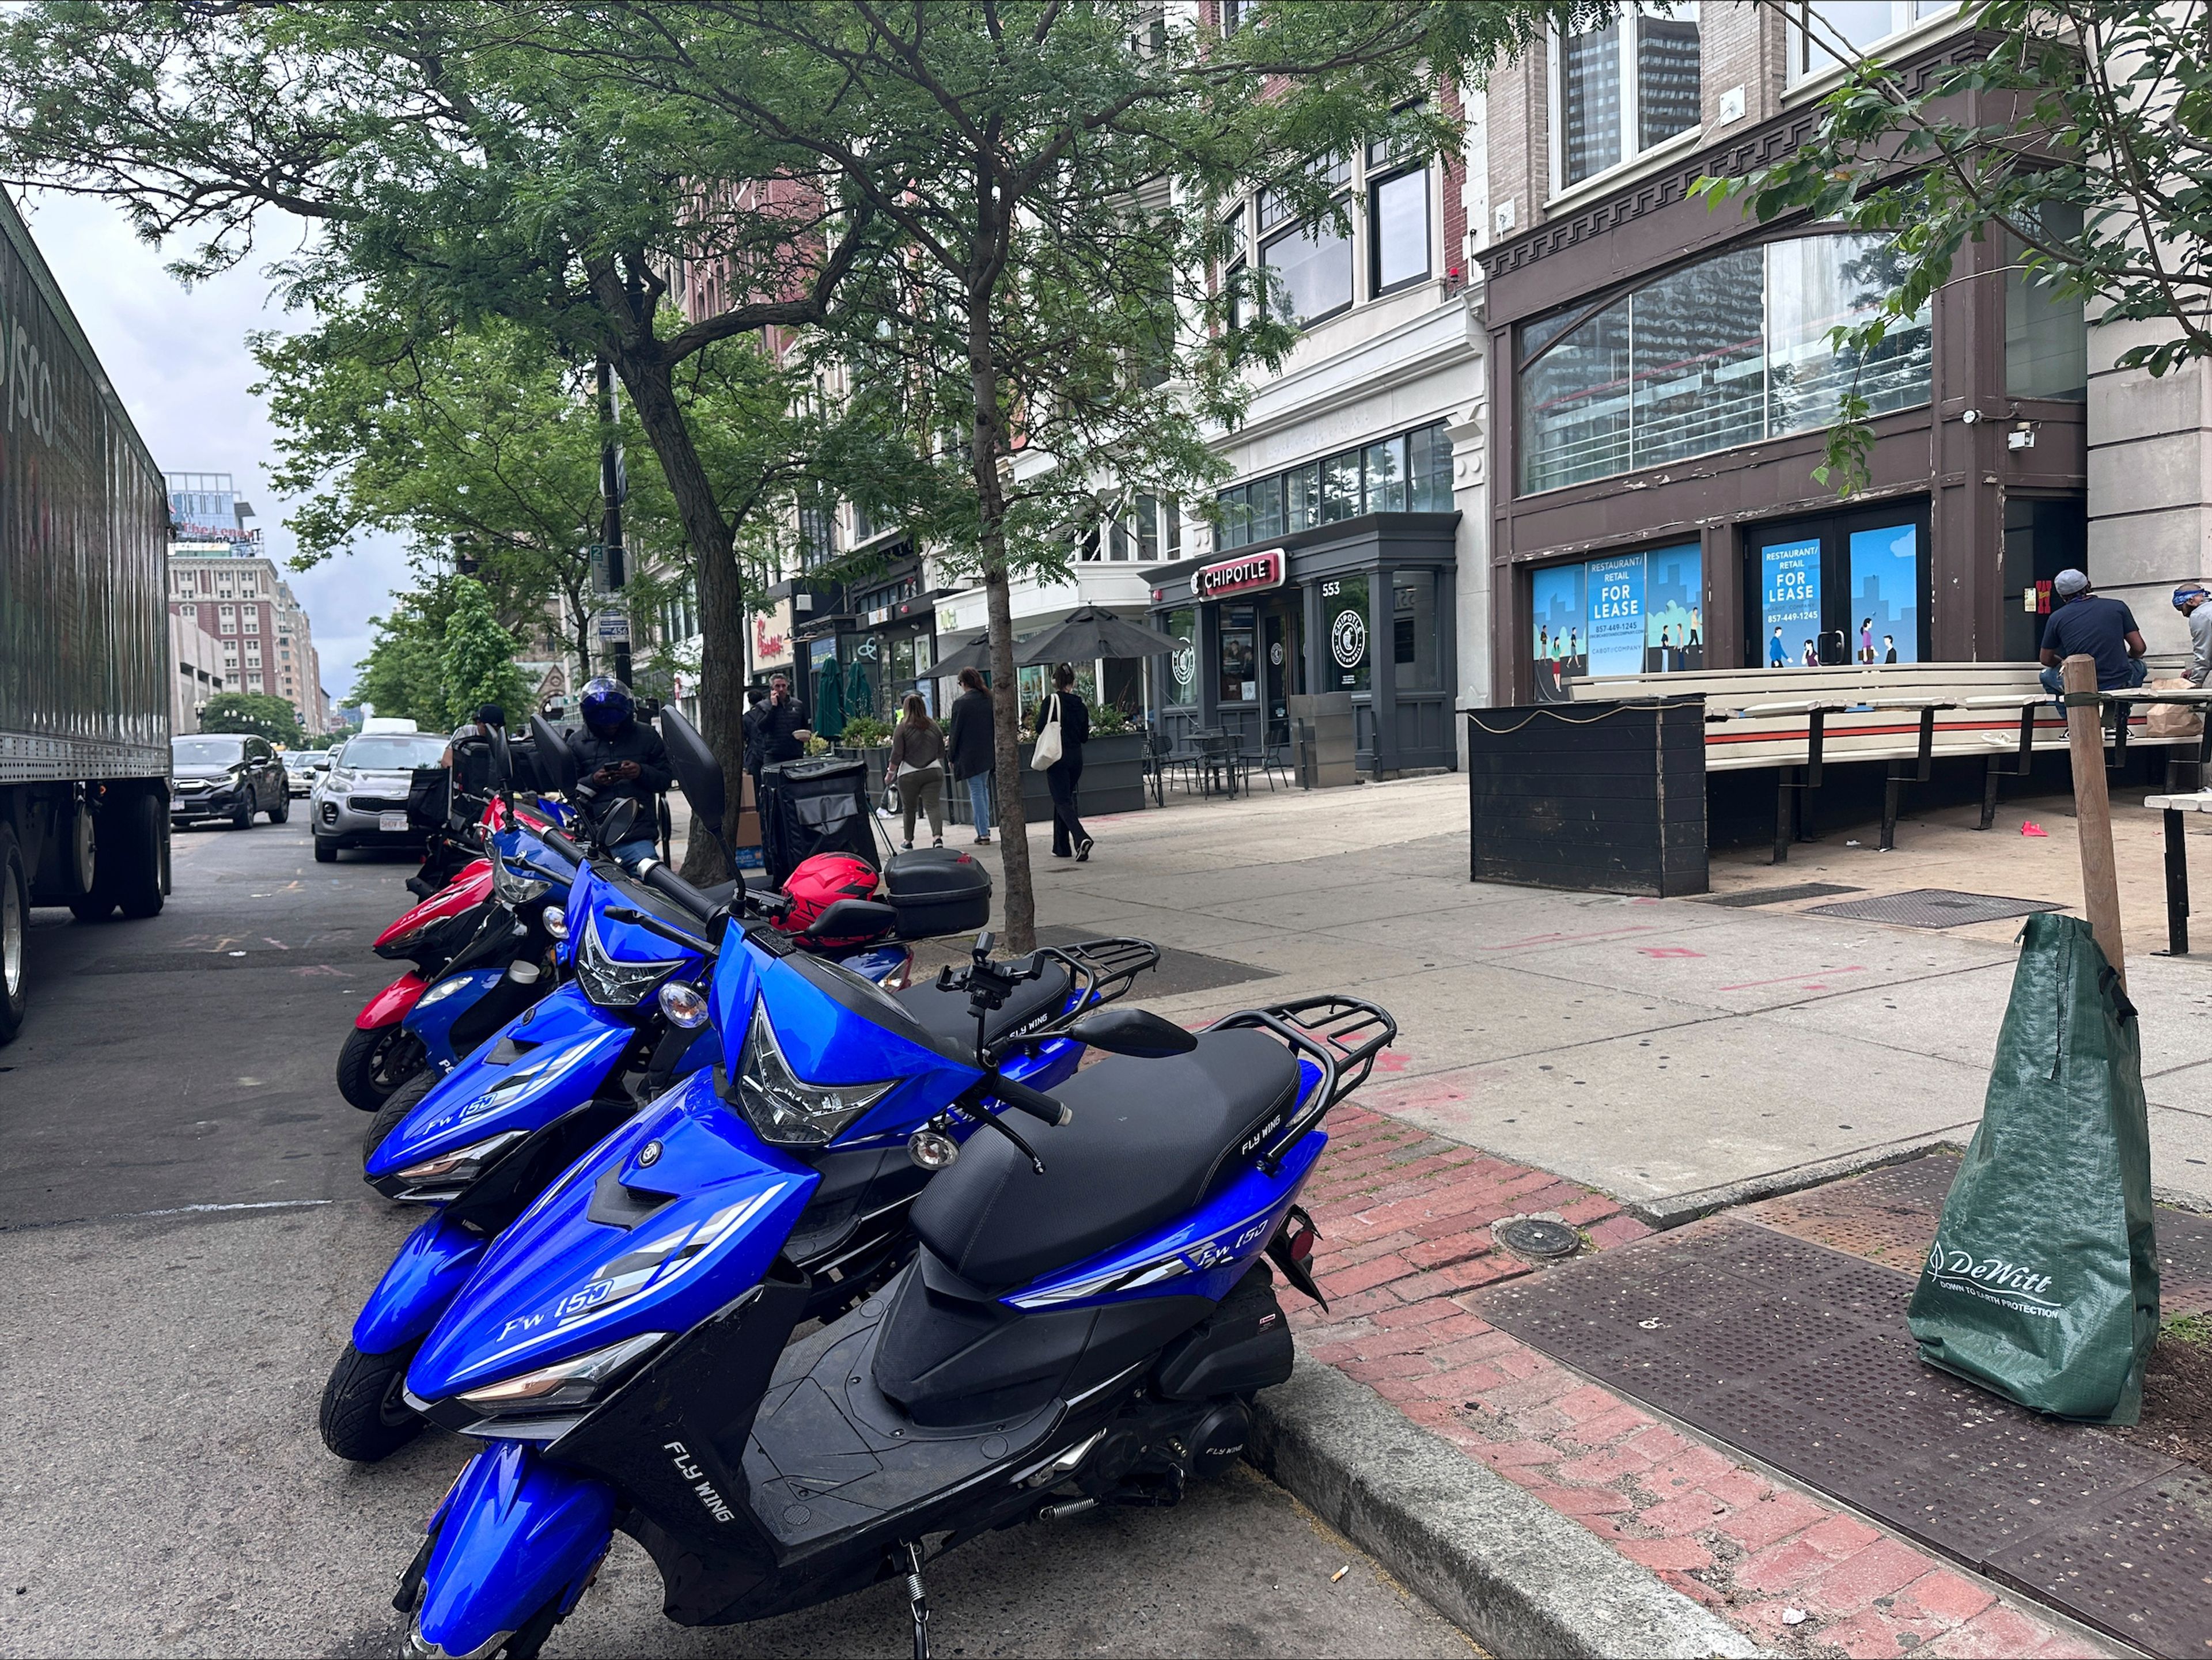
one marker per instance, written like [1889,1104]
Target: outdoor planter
[1113,782]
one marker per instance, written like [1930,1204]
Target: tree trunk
[721,595]
[1005,684]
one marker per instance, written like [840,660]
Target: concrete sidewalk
[1676,1054]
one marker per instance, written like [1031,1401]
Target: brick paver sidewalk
[1406,1224]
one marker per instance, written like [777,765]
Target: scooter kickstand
[918,1600]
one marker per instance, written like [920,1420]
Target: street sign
[614,628]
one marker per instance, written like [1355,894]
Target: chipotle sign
[1246,573]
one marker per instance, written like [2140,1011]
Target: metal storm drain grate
[1798,1356]
[1934,908]
[1795,891]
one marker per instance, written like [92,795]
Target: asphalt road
[185,1230]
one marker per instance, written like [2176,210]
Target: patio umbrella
[975,654]
[830,702]
[1088,633]
[860,695]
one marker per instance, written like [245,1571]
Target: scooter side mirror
[621,819]
[502,762]
[557,762]
[1132,1031]
[696,767]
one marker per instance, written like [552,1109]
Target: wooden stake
[2093,811]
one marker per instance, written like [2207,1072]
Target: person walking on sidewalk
[1063,708]
[2189,600]
[971,736]
[917,765]
[2086,624]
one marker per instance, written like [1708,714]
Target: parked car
[302,768]
[226,774]
[362,801]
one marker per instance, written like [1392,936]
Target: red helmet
[819,883]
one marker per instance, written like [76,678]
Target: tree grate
[1798,1356]
[1784,896]
[1934,908]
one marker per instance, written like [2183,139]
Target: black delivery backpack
[936,891]
[814,806]
[2042,1284]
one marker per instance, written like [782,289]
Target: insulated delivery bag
[2043,1280]
[814,806]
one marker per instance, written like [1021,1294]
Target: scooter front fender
[426,1276]
[392,1005]
[514,1533]
[555,1058]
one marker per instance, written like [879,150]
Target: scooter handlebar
[664,881]
[1035,1102]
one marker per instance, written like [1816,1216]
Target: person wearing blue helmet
[2188,599]
[618,757]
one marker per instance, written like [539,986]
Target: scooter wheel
[375,1061]
[365,1416]
[527,1643]
[396,1105]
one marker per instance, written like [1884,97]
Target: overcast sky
[178,360]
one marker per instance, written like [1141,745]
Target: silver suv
[362,802]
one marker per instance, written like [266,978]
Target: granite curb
[1515,1574]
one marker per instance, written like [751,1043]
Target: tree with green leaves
[475,659]
[404,674]
[456,172]
[2082,134]
[253,712]
[1051,172]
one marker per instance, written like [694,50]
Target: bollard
[2092,808]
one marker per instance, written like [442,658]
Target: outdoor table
[1217,759]
[2177,864]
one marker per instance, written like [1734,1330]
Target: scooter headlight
[611,982]
[465,1164]
[443,989]
[565,1382]
[782,1107]
[515,884]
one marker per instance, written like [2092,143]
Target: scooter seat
[1150,1139]
[945,1013]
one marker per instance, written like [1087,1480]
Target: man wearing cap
[2086,624]
[2188,599]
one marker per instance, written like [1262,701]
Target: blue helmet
[607,705]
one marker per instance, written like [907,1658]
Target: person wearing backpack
[1063,726]
[917,766]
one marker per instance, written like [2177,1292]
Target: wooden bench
[1903,716]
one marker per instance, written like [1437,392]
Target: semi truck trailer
[84,640]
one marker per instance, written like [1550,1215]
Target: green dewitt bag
[2042,1281]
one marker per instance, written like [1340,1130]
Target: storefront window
[1727,351]
[2046,336]
[1429,482]
[1848,589]
[1414,631]
[1240,655]
[1623,614]
[1344,622]
[1183,661]
[1386,475]
[1408,472]
[1340,487]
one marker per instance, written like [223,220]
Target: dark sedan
[222,774]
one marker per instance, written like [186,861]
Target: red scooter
[380,1053]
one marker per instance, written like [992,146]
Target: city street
[189,1237]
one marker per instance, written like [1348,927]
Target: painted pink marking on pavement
[1797,979]
[1567,938]
[1668,951]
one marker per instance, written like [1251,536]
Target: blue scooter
[486,1140]
[1085,1322]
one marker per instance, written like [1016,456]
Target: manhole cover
[1934,908]
[1783,895]
[1530,1236]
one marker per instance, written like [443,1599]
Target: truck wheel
[326,853]
[15,922]
[87,867]
[132,854]
[365,1416]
